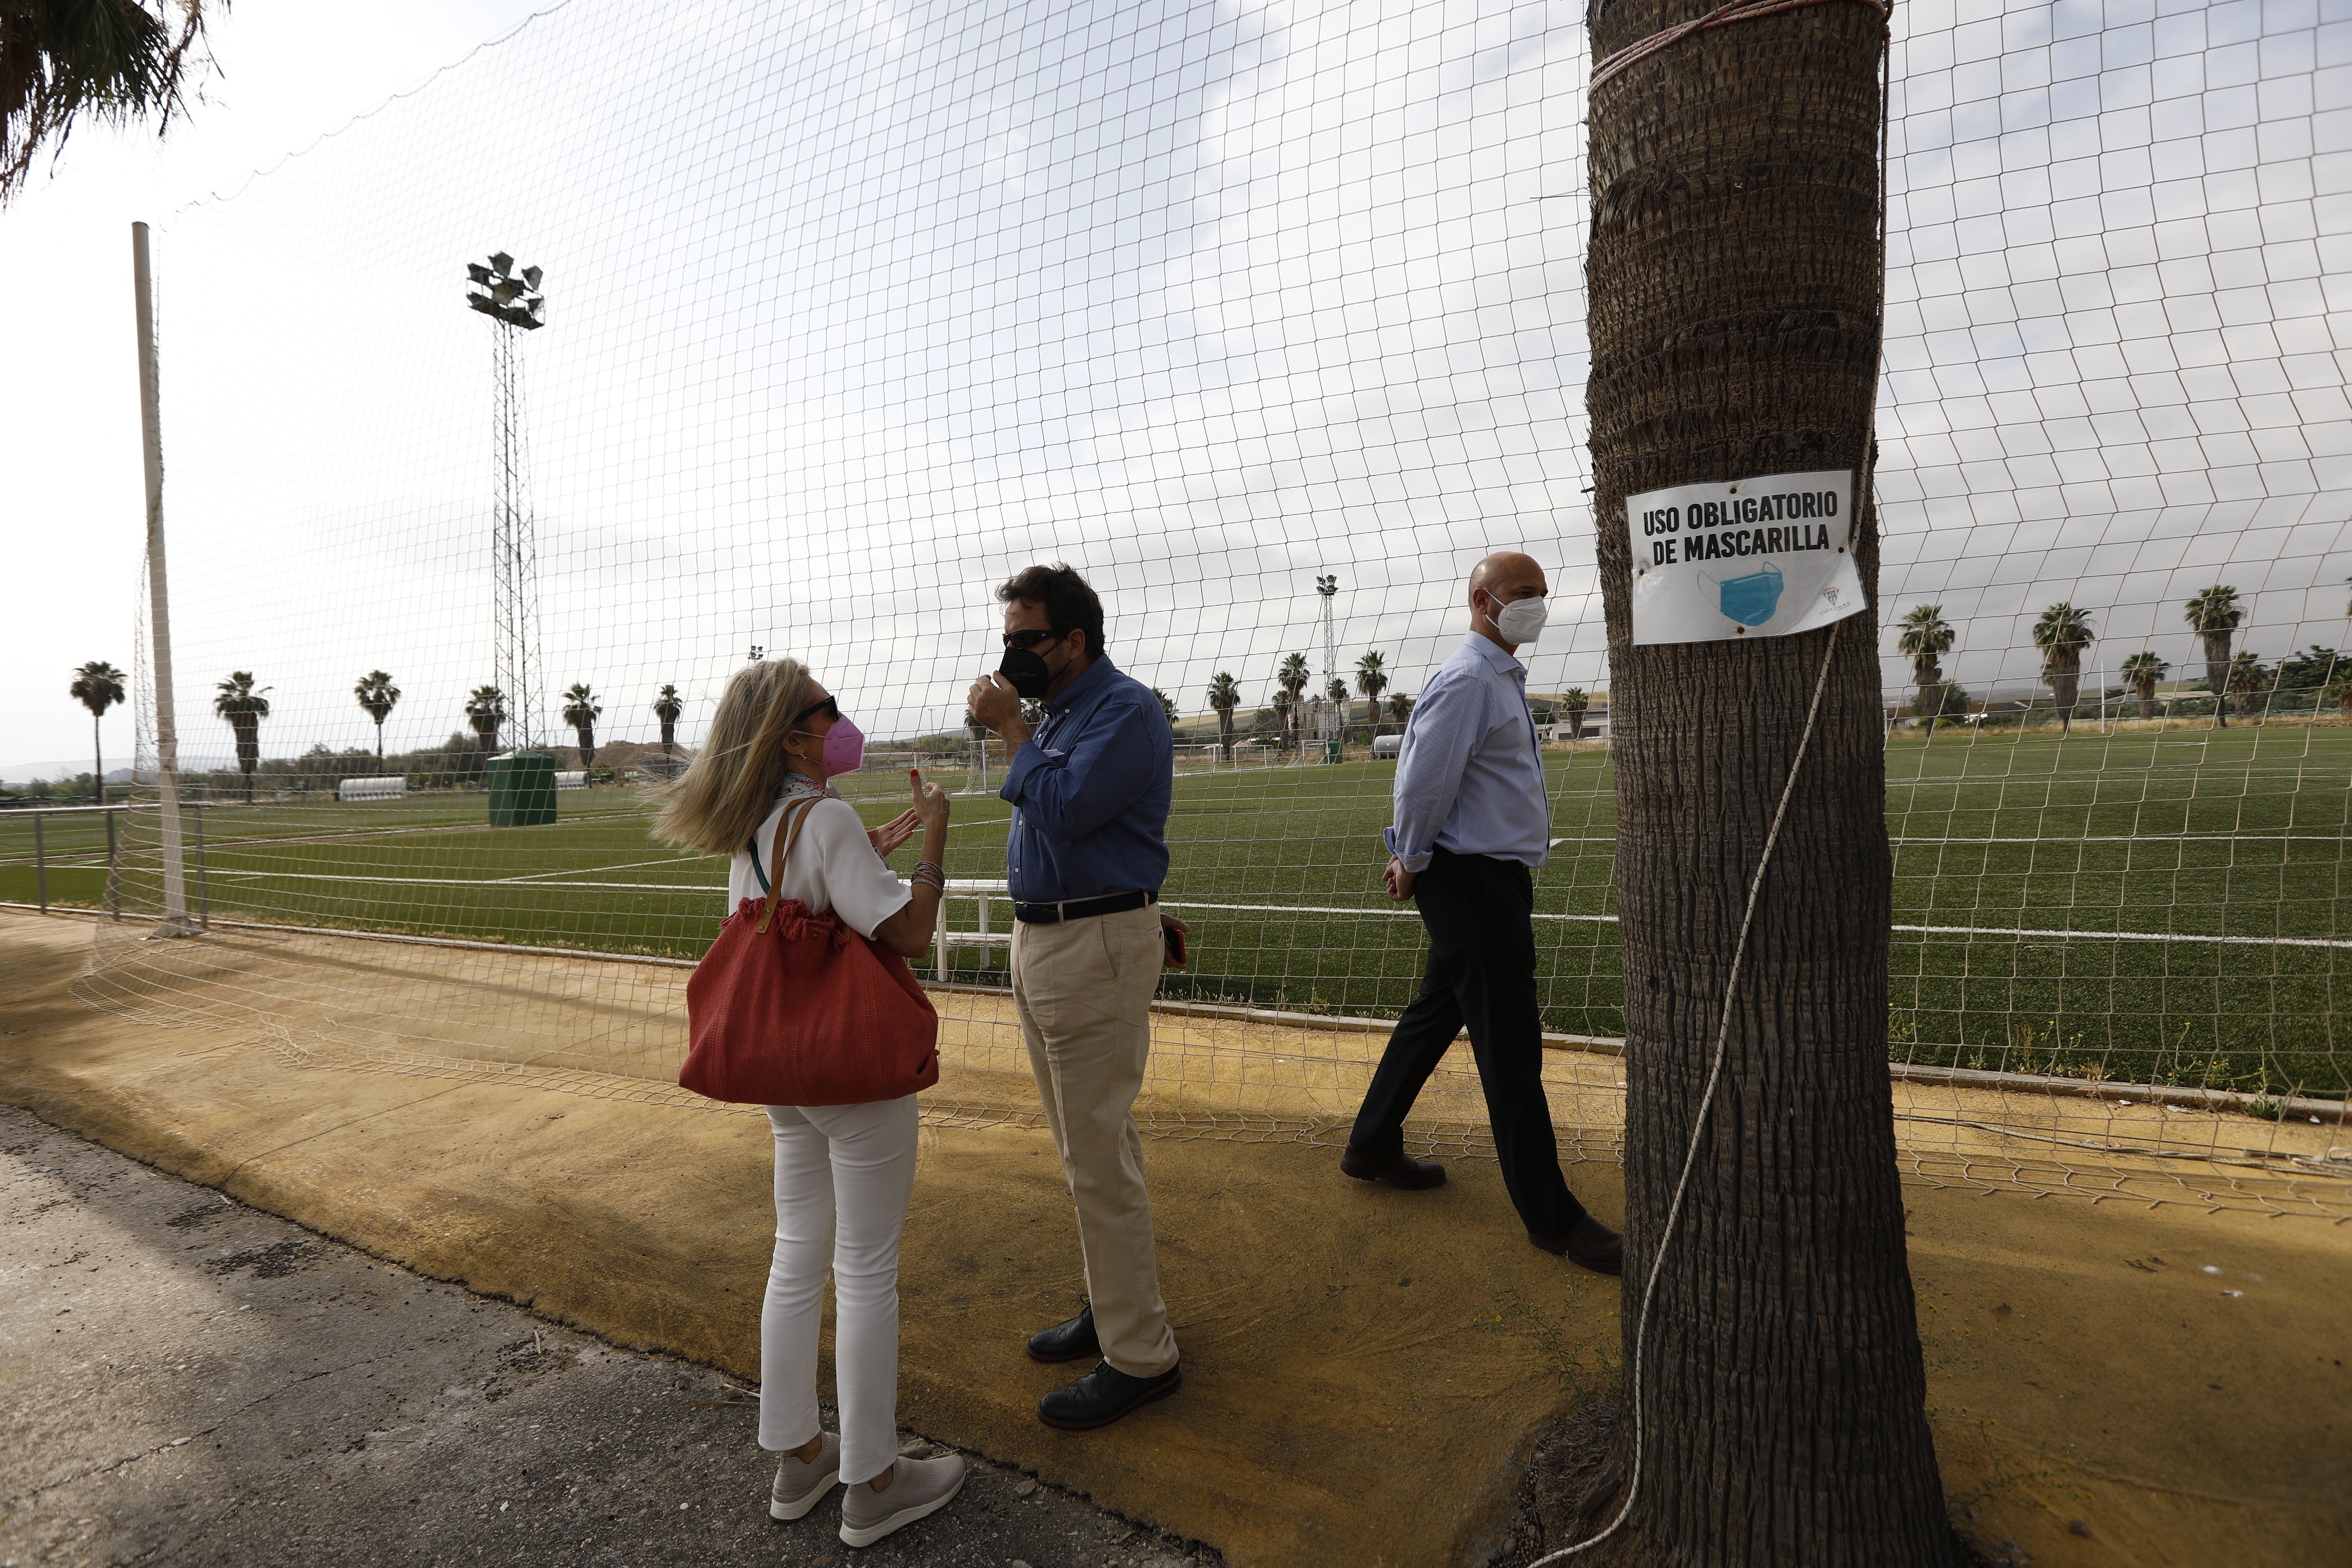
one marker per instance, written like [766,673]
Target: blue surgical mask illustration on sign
[1749,600]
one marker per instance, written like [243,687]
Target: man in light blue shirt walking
[1473,823]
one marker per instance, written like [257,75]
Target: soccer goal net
[520,412]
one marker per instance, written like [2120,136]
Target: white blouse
[832,866]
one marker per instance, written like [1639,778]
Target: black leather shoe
[1399,1169]
[1073,1340]
[1589,1244]
[1103,1395]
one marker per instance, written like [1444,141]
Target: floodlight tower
[514,301]
[1327,589]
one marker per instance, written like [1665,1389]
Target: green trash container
[522,789]
[1331,750]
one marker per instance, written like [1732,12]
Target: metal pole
[113,883]
[159,605]
[40,864]
[204,887]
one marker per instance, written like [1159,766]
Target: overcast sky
[75,509]
[853,309]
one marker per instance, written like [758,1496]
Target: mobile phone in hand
[1174,940]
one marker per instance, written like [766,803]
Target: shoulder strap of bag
[784,842]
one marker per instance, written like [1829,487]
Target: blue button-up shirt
[1470,778]
[1090,792]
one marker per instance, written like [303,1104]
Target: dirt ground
[1368,1370]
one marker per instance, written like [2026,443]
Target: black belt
[1080,908]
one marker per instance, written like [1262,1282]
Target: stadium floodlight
[513,300]
[506,295]
[1328,722]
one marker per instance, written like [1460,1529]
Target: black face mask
[1026,670]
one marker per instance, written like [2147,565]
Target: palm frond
[112,60]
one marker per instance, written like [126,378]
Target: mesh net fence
[820,321]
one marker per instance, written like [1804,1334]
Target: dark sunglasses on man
[1032,638]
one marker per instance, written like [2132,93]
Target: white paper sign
[1751,558]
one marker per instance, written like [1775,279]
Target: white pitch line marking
[708,888]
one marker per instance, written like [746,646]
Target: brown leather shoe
[1414,1175]
[1589,1245]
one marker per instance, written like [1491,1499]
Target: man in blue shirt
[1472,822]
[1086,853]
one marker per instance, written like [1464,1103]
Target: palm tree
[485,710]
[2141,671]
[1689,375]
[377,694]
[2213,616]
[2246,682]
[116,62]
[1372,680]
[581,710]
[669,708]
[1286,714]
[1400,708]
[1575,704]
[97,686]
[1293,679]
[1166,706]
[1224,696]
[1926,636]
[2061,634]
[245,709]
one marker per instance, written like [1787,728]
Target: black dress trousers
[1482,973]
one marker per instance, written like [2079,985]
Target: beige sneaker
[919,1487]
[800,1484]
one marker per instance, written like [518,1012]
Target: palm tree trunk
[379,745]
[2217,674]
[1735,289]
[2065,691]
[97,763]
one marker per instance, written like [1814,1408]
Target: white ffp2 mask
[1522,621]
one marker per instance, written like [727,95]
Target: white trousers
[844,1175]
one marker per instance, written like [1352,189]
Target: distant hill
[621,756]
[117,770]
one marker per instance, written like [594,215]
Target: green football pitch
[2161,907]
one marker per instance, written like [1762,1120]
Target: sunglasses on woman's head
[829,708]
[1032,639]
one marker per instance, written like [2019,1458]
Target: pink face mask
[845,746]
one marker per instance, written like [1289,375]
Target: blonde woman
[844,1172]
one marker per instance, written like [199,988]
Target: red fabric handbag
[794,1008]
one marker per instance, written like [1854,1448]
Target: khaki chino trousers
[1083,989]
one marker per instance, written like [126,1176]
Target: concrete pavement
[185,1380]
